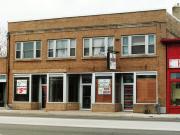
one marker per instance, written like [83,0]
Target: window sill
[94,58]
[54,59]
[138,56]
[26,60]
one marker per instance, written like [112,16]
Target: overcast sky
[19,10]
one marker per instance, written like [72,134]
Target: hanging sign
[21,87]
[111,60]
[174,63]
[104,86]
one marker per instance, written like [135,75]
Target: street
[49,130]
[12,125]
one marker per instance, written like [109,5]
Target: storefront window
[55,89]
[175,75]
[175,93]
[87,78]
[146,89]
[127,78]
[73,88]
[21,89]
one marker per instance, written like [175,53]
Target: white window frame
[34,50]
[130,45]
[91,47]
[68,48]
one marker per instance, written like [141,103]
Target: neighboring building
[3,81]
[176,11]
[61,64]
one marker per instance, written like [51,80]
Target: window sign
[21,87]
[112,61]
[104,86]
[174,63]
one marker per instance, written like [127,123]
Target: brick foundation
[144,108]
[26,106]
[62,106]
[106,107]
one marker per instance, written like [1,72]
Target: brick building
[61,64]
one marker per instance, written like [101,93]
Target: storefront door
[2,92]
[175,94]
[86,98]
[44,96]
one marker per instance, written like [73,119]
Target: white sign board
[21,87]
[174,63]
[104,86]
[112,61]
[2,78]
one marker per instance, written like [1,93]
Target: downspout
[8,69]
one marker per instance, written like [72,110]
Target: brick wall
[3,65]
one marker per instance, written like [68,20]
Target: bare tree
[3,42]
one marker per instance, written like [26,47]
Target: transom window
[138,45]
[98,46]
[28,50]
[62,48]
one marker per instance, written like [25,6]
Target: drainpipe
[8,68]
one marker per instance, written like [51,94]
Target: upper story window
[98,46]
[62,48]
[138,45]
[28,50]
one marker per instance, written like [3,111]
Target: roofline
[88,16]
[167,41]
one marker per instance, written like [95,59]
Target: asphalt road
[50,130]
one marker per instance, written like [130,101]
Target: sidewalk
[87,114]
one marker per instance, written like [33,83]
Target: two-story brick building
[61,64]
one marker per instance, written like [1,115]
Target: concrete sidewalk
[87,114]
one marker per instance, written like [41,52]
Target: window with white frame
[138,45]
[28,50]
[98,46]
[62,48]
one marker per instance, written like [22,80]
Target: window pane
[86,51]
[110,41]
[38,45]
[28,50]
[127,78]
[21,89]
[175,93]
[138,49]
[38,53]
[98,42]
[150,48]
[50,53]
[72,52]
[73,43]
[86,43]
[51,44]
[87,78]
[151,39]
[125,50]
[98,51]
[138,40]
[18,46]
[61,44]
[125,41]
[55,89]
[61,52]
[18,54]
[175,75]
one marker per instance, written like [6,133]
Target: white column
[93,89]
[65,88]
[47,98]
[30,84]
[113,88]
[134,89]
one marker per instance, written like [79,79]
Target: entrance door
[2,90]
[44,96]
[86,98]
[128,97]
[175,94]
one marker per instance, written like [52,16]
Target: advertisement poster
[104,86]
[21,87]
[112,61]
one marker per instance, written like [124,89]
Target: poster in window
[21,87]
[104,86]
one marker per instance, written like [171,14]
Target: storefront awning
[168,41]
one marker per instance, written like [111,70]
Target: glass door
[175,93]
[86,98]
[2,90]
[44,96]
[128,97]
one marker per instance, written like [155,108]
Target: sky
[21,10]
